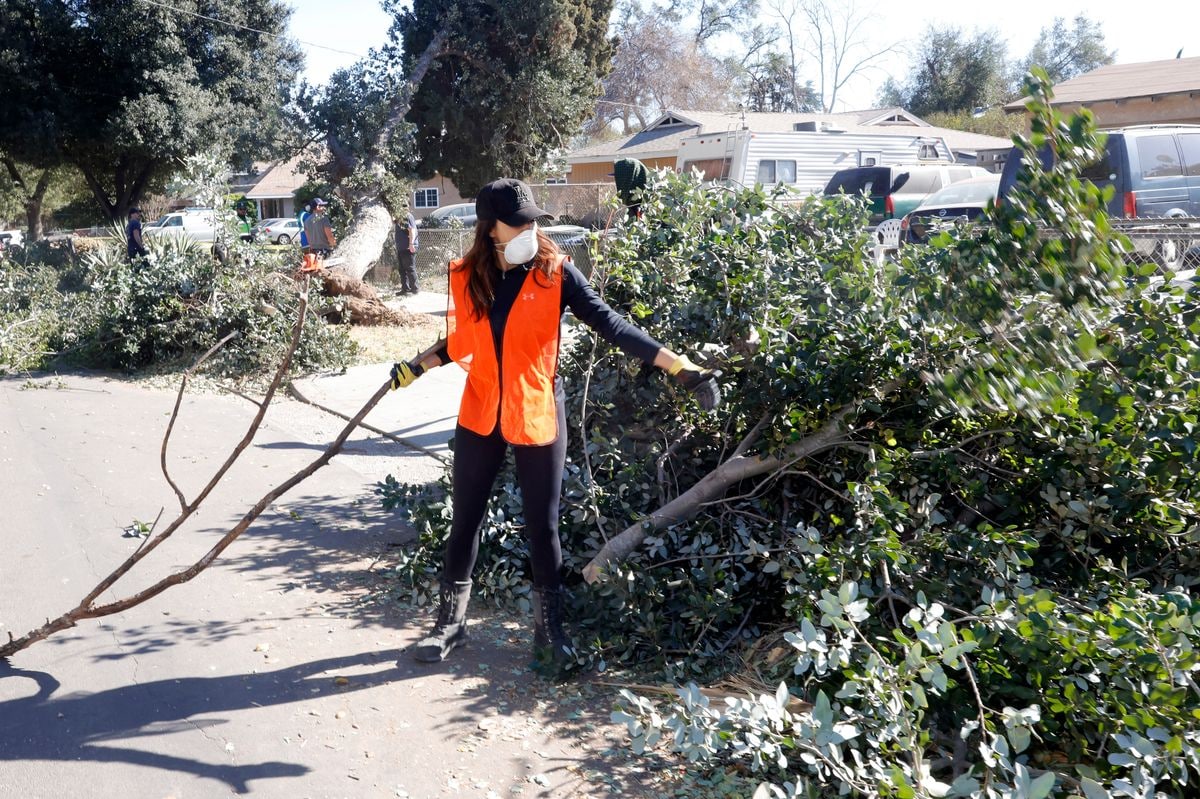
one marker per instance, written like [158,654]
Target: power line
[246,28]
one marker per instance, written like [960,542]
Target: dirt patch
[384,343]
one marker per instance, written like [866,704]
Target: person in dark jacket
[507,297]
[135,247]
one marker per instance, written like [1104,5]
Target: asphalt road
[273,673]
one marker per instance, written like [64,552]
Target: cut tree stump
[360,303]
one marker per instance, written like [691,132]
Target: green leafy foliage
[122,91]
[473,127]
[99,309]
[984,583]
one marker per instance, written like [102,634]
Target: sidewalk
[422,415]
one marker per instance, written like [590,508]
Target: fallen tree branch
[714,484]
[87,609]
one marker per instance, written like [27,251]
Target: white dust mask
[522,247]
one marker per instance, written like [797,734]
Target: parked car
[281,230]
[195,224]
[12,238]
[965,201]
[1154,171]
[894,190]
[463,212]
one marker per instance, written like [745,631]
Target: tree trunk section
[369,229]
[33,207]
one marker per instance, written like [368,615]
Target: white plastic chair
[887,238]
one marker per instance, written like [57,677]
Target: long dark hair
[482,260]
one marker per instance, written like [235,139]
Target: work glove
[702,383]
[404,373]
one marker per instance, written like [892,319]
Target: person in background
[631,176]
[135,247]
[406,252]
[318,231]
[305,213]
[507,297]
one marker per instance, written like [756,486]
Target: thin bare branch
[162,458]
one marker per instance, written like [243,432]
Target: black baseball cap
[135,210]
[508,200]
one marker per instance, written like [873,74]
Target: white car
[281,230]
[12,238]
[194,225]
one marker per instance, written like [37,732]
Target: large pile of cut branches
[951,502]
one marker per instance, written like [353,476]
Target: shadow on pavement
[85,726]
[489,680]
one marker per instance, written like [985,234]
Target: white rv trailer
[803,160]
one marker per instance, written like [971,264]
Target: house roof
[661,138]
[1125,81]
[279,181]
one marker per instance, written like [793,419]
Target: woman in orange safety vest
[507,297]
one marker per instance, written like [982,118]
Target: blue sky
[357,25]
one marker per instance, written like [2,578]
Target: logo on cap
[524,197]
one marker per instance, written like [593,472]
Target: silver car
[281,230]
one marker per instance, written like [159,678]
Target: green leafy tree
[122,91]
[35,195]
[1066,51]
[470,90]
[514,81]
[951,71]
[768,86]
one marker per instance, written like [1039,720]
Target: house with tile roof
[1146,93]
[664,142]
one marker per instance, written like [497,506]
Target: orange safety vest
[525,400]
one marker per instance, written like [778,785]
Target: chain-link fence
[575,203]
[438,247]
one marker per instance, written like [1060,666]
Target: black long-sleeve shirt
[585,304]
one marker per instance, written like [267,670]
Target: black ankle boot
[451,627]
[550,643]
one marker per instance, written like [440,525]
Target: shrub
[102,311]
[983,581]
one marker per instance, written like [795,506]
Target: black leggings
[477,461]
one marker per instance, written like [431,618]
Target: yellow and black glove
[404,373]
[702,383]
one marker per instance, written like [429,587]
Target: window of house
[775,171]
[425,198]
[869,157]
[928,151]
[1159,156]
[562,181]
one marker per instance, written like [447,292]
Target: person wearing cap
[507,297]
[317,230]
[135,247]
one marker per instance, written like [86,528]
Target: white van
[195,224]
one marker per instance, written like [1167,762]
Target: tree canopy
[952,71]
[1065,52]
[122,90]
[514,80]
